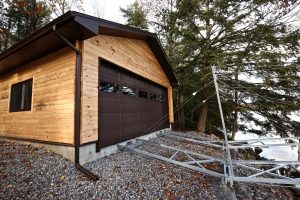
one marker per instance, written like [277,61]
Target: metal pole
[299,152]
[228,160]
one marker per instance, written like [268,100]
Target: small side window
[143,94]
[128,91]
[109,87]
[21,96]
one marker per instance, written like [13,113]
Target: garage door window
[20,97]
[128,91]
[143,94]
[153,96]
[156,97]
[159,98]
[109,87]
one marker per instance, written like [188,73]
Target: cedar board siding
[52,112]
[131,54]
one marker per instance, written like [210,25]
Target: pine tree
[232,34]
[2,29]
[135,15]
[162,18]
[21,18]
[236,36]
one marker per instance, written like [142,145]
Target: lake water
[282,153]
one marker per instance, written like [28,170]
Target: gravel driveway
[27,172]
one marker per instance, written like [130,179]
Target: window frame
[12,108]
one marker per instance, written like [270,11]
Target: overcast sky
[107,9]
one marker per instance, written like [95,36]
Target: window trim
[10,96]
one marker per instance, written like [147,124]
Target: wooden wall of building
[89,94]
[52,112]
[131,54]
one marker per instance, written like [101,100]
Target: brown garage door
[129,105]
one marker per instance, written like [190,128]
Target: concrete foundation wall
[87,152]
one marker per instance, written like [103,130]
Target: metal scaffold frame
[194,161]
[255,165]
[262,171]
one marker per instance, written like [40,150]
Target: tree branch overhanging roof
[77,26]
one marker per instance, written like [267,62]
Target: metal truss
[239,144]
[257,166]
[193,160]
[258,171]
[269,169]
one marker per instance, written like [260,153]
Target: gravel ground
[27,172]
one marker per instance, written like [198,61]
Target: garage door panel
[123,117]
[114,119]
[114,74]
[111,136]
[104,72]
[104,120]
[126,132]
[104,104]
[115,104]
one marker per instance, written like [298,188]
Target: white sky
[109,9]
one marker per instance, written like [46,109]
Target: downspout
[77,106]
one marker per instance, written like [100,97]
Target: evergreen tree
[20,18]
[249,38]
[2,29]
[162,18]
[135,15]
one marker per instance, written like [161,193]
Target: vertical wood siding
[133,55]
[52,114]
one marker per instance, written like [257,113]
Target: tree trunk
[299,152]
[234,127]
[202,118]
[181,114]
[235,117]
[33,17]
[8,36]
[203,113]
[178,110]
